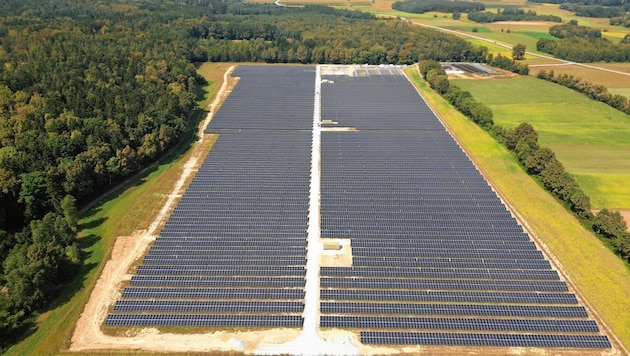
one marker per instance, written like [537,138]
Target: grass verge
[131,208]
[601,278]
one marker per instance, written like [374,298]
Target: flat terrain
[616,83]
[589,138]
[605,280]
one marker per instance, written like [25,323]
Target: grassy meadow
[130,208]
[600,276]
[591,139]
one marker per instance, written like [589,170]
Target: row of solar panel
[440,273]
[354,227]
[183,232]
[477,339]
[229,241]
[200,306]
[228,320]
[216,281]
[426,206]
[479,324]
[249,249]
[527,311]
[213,293]
[430,284]
[446,253]
[454,235]
[424,242]
[226,260]
[436,199]
[426,235]
[242,223]
[237,219]
[447,296]
[449,263]
[366,219]
[277,271]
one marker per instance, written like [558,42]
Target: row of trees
[510,15]
[597,11]
[310,36]
[593,91]
[422,6]
[540,162]
[584,2]
[463,101]
[578,49]
[572,29]
[621,21]
[616,10]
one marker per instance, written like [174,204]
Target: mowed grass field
[591,139]
[600,276]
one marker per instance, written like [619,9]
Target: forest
[422,6]
[92,92]
[583,44]
[510,15]
[616,10]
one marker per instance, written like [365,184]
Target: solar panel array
[233,252]
[437,258]
[434,249]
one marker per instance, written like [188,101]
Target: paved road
[562,61]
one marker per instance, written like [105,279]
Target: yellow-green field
[615,82]
[591,139]
[599,275]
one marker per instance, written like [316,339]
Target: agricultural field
[506,32]
[615,82]
[589,138]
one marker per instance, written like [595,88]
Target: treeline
[581,49]
[510,15]
[89,94]
[573,29]
[584,2]
[616,10]
[596,11]
[540,162]
[621,21]
[422,6]
[593,91]
[463,101]
[310,36]
[507,63]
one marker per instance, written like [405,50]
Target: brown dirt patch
[336,258]
[382,5]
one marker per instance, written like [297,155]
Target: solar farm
[349,160]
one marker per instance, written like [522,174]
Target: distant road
[562,61]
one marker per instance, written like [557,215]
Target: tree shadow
[91,224]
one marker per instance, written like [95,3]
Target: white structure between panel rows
[309,342]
